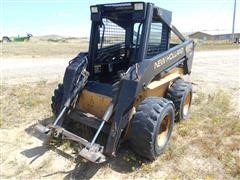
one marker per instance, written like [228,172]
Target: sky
[72,17]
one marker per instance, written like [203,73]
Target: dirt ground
[205,147]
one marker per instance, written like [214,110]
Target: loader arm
[75,79]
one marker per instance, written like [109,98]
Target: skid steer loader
[128,86]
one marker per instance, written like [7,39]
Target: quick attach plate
[93,153]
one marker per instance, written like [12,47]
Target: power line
[234,16]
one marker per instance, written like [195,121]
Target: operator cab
[123,34]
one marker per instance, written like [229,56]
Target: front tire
[151,127]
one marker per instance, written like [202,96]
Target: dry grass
[211,136]
[215,45]
[51,48]
[65,47]
[205,147]
[19,104]
[221,129]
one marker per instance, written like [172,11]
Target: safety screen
[111,34]
[158,39]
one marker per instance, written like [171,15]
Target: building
[208,35]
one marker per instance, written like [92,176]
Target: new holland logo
[168,58]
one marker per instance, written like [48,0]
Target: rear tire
[180,93]
[151,127]
[57,100]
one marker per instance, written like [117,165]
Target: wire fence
[111,34]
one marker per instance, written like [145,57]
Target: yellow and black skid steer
[128,86]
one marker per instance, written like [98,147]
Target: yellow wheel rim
[163,131]
[187,104]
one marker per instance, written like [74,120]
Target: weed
[66,144]
[183,130]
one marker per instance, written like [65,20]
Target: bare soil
[204,147]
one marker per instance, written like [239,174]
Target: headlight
[138,6]
[94,9]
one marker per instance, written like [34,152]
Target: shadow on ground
[125,162]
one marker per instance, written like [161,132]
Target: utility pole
[234,15]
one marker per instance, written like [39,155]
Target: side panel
[163,63]
[157,91]
[160,86]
